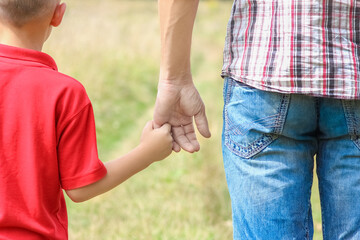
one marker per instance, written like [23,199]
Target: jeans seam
[351,120]
[282,113]
[317,112]
[307,228]
[322,204]
[229,84]
[349,117]
[228,87]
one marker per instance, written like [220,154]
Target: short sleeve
[79,164]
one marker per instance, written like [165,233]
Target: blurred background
[112,47]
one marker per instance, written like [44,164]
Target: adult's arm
[178,101]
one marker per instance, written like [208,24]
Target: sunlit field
[112,47]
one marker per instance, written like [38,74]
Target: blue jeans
[269,143]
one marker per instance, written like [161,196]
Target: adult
[291,92]
[178,101]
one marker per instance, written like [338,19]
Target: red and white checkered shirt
[295,46]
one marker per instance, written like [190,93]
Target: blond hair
[19,12]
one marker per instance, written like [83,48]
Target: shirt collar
[27,55]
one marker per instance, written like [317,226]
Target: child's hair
[19,12]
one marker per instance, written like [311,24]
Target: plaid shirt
[295,46]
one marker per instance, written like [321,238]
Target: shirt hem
[88,179]
[283,91]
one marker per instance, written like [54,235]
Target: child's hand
[157,142]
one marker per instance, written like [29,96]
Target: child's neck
[22,38]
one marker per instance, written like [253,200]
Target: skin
[155,145]
[178,101]
[33,34]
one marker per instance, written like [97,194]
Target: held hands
[155,145]
[156,142]
[178,105]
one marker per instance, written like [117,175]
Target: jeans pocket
[253,119]
[352,115]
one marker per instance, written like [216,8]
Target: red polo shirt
[47,143]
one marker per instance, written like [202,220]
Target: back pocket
[253,119]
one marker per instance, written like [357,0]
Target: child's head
[30,20]
[20,12]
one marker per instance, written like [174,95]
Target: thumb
[166,127]
[146,130]
[155,125]
[148,126]
[156,122]
[202,124]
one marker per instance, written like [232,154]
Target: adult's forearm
[176,25]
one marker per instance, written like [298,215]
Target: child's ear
[58,15]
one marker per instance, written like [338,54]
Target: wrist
[177,78]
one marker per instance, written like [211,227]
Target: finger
[147,129]
[182,140]
[161,114]
[148,126]
[166,127]
[202,124]
[191,136]
[176,147]
[156,125]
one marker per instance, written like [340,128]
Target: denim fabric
[269,143]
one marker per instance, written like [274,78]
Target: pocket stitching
[266,139]
[351,122]
[254,147]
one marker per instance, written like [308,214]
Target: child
[47,132]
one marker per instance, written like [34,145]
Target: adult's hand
[179,105]
[178,102]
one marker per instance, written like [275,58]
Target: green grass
[113,48]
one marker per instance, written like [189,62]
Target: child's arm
[155,145]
